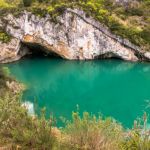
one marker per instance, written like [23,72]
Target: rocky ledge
[72,36]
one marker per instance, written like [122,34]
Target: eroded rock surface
[12,51]
[73,36]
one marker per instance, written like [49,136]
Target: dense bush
[3,78]
[4,37]
[19,129]
[27,3]
[92,133]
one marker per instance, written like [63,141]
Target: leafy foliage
[3,78]
[4,37]
[3,4]
[92,133]
[27,3]
[139,137]
[17,128]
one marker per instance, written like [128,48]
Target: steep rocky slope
[73,35]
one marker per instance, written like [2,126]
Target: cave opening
[108,55]
[37,51]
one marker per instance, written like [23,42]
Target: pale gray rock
[147,55]
[74,36]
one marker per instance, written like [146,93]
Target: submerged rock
[72,36]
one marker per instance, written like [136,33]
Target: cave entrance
[109,55]
[35,50]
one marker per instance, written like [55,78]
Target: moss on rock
[4,37]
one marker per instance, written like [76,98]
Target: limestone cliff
[72,36]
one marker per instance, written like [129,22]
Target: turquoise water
[111,87]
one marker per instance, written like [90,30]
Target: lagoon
[111,87]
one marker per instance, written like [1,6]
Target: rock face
[74,36]
[12,51]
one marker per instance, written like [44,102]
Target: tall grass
[92,133]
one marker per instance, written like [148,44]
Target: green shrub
[92,133]
[3,4]
[139,137]
[4,37]
[146,34]
[135,12]
[27,3]
[18,128]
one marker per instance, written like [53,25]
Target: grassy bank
[131,21]
[19,130]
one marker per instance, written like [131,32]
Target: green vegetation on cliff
[3,78]
[130,20]
[4,37]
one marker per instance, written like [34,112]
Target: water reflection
[30,107]
[112,87]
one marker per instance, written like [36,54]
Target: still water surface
[111,87]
